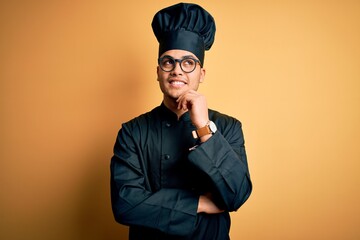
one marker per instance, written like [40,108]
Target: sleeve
[223,158]
[172,211]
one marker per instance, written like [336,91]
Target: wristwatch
[209,128]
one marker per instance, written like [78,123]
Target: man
[178,170]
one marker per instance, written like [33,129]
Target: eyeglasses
[187,64]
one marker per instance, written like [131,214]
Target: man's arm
[134,202]
[221,156]
[223,159]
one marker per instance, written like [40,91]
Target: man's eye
[188,62]
[168,62]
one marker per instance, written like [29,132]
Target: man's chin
[172,97]
[175,95]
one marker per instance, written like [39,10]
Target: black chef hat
[184,26]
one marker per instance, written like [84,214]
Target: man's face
[176,82]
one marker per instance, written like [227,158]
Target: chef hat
[184,26]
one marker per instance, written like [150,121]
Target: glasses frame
[179,61]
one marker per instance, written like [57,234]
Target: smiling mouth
[177,83]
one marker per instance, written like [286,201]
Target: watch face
[212,127]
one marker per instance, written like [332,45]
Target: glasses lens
[188,64]
[167,64]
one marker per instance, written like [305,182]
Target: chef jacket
[158,172]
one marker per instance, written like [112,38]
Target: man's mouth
[177,83]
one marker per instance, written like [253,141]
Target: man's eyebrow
[188,56]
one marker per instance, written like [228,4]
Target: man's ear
[157,73]
[202,75]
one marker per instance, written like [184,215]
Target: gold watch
[209,128]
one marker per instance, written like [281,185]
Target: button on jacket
[157,176]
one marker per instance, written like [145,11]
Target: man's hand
[196,104]
[206,205]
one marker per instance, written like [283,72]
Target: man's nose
[177,69]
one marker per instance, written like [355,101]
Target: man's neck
[173,106]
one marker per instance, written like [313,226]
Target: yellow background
[72,71]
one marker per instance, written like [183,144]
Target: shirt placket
[165,151]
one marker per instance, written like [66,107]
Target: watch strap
[200,132]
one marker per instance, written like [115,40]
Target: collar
[167,114]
